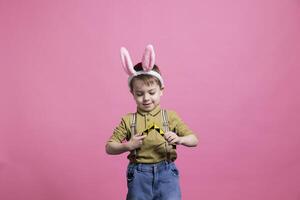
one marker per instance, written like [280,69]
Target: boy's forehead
[141,85]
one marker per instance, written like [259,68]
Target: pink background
[231,70]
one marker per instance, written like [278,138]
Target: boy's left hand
[172,138]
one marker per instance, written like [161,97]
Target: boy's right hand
[136,141]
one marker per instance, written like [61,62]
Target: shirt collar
[153,112]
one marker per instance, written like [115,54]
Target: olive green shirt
[153,149]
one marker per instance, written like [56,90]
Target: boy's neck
[152,112]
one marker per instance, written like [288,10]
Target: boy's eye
[139,94]
[152,92]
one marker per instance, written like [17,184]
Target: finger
[170,133]
[175,139]
[171,140]
[141,137]
[138,135]
[167,134]
[171,143]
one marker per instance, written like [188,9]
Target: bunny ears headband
[148,62]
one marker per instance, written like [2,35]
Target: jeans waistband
[152,166]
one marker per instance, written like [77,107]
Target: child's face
[147,97]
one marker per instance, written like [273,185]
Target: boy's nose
[146,97]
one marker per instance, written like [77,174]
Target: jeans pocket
[130,175]
[174,171]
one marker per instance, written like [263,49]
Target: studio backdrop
[231,71]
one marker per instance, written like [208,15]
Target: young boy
[150,135]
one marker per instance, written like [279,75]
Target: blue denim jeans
[158,181]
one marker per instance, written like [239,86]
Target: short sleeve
[120,133]
[177,125]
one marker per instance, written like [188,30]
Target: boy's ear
[161,91]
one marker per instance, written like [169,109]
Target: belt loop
[166,164]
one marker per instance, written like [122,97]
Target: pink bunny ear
[148,59]
[126,61]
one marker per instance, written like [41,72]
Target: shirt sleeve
[178,126]
[120,133]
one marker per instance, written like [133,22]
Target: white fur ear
[148,59]
[126,61]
